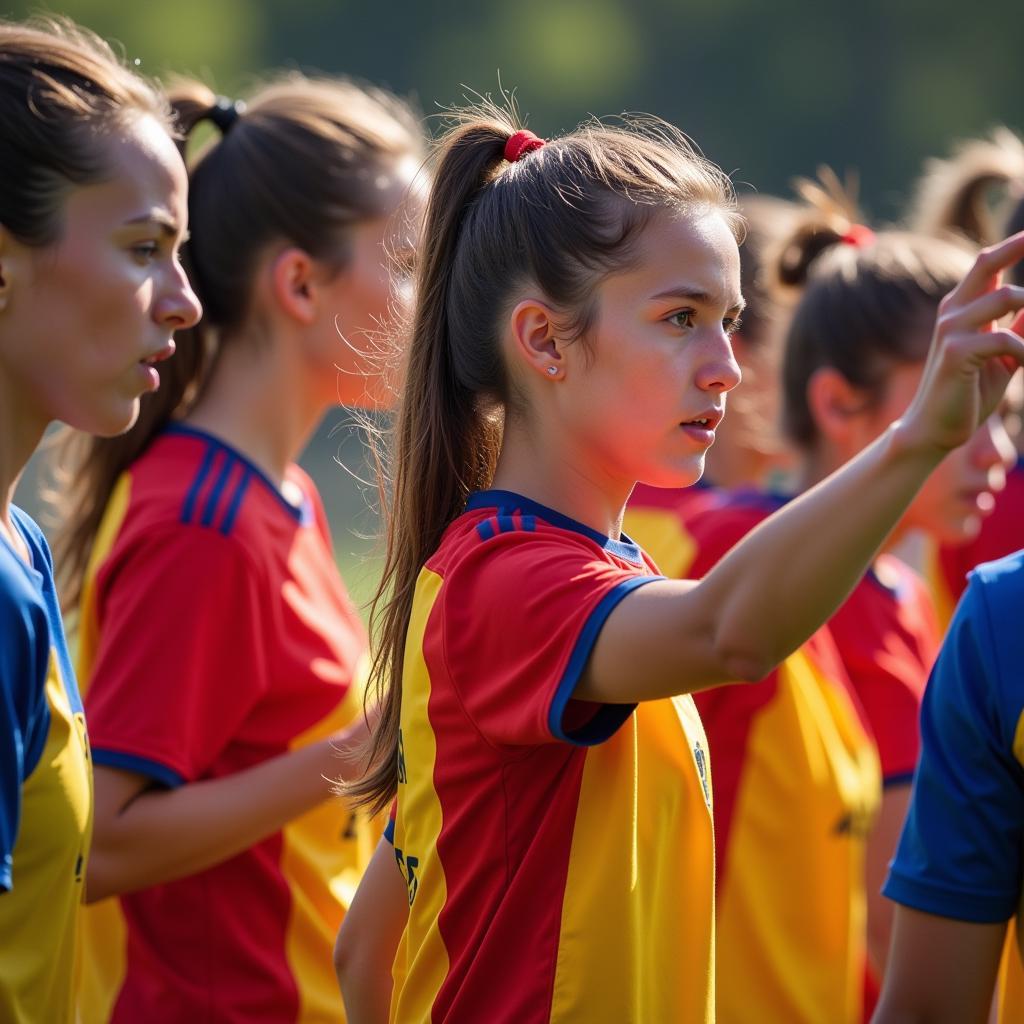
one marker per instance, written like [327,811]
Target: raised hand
[971,359]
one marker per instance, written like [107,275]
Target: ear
[535,340]
[836,407]
[292,280]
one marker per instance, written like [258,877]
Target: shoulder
[1000,580]
[510,544]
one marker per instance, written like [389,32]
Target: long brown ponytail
[560,218]
[300,163]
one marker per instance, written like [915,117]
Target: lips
[706,420]
[159,355]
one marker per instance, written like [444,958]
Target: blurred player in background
[978,193]
[219,652]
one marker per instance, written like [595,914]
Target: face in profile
[647,387]
[89,316]
[371,293]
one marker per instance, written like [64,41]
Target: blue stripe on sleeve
[210,509]
[236,502]
[189,508]
[610,716]
[143,765]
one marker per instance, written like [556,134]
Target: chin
[673,476]
[107,422]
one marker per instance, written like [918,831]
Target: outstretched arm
[788,576]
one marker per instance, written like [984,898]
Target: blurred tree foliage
[767,90]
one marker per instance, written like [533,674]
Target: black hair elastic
[224,113]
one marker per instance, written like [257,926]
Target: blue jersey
[960,855]
[45,789]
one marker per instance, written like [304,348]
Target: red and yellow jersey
[215,635]
[797,784]
[45,790]
[888,635]
[1002,533]
[558,854]
[659,515]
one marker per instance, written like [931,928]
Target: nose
[179,307]
[719,372]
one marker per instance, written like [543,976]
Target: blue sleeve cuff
[979,908]
[6,874]
[133,763]
[897,779]
[606,721]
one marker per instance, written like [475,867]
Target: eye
[732,324]
[682,319]
[145,252]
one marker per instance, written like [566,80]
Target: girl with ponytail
[552,831]
[219,652]
[978,192]
[92,215]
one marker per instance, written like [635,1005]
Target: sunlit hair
[865,304]
[978,192]
[63,93]
[304,163]
[560,220]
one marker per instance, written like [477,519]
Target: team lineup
[691,690]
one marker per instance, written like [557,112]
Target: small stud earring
[552,370]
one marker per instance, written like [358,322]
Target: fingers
[1004,344]
[980,312]
[989,263]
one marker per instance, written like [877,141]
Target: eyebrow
[685,294]
[168,226]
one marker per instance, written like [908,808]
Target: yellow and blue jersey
[961,855]
[45,790]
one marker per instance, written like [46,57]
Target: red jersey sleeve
[181,657]
[888,638]
[522,612]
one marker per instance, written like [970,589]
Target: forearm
[158,835]
[369,938]
[788,576]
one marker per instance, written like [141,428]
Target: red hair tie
[858,235]
[520,143]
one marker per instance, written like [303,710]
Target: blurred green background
[768,91]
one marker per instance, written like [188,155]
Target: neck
[542,468]
[258,403]
[21,429]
